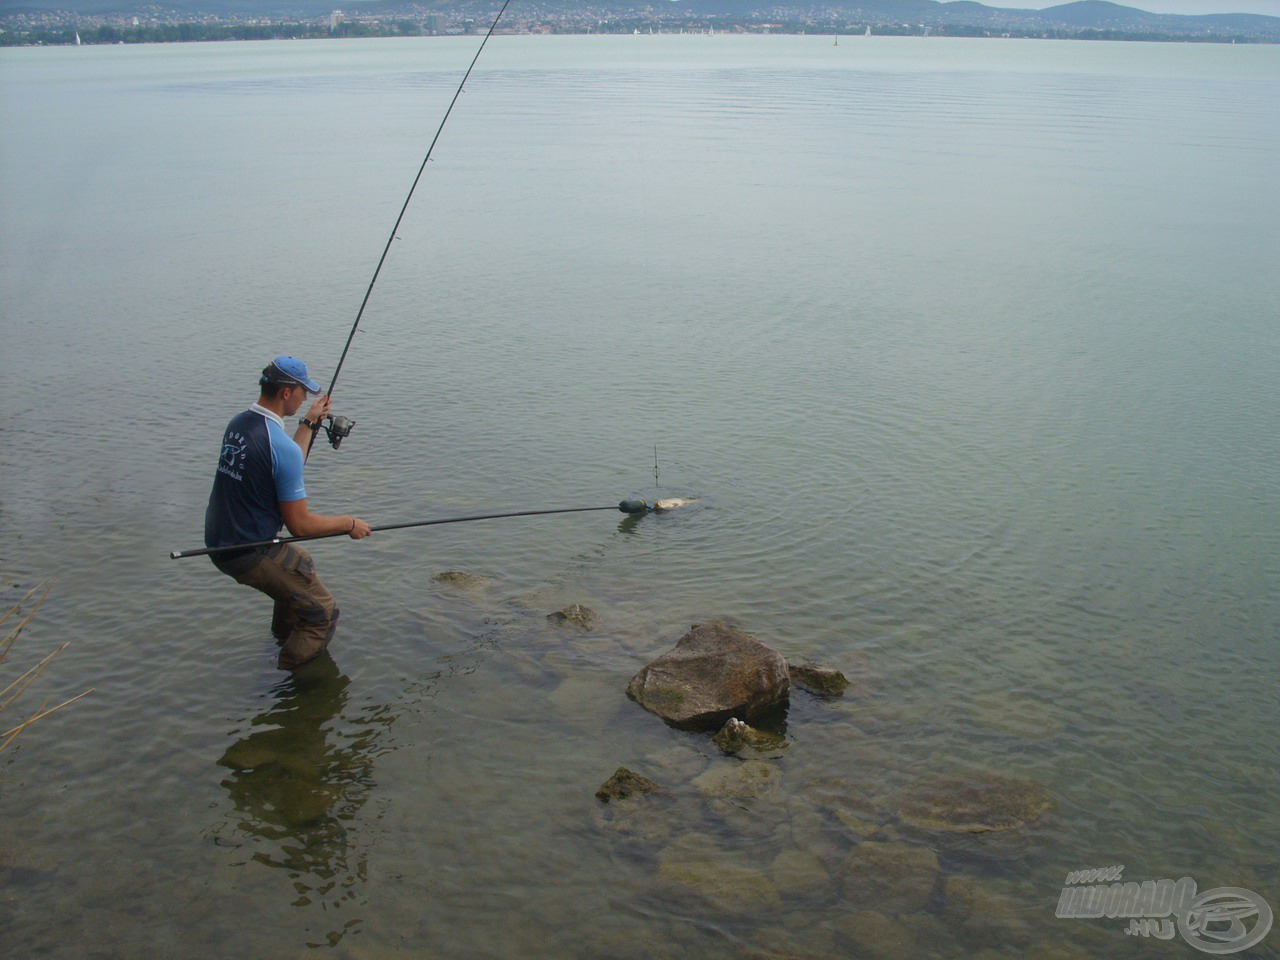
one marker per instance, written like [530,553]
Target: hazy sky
[1269,7]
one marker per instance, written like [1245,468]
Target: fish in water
[673,503]
[661,506]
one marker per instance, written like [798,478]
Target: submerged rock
[457,578]
[889,876]
[877,936]
[799,873]
[575,614]
[731,780]
[746,797]
[989,910]
[737,736]
[823,681]
[976,803]
[635,809]
[1017,714]
[679,761]
[696,863]
[585,699]
[623,784]
[651,820]
[848,803]
[714,672]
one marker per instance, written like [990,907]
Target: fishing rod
[626,506]
[338,428]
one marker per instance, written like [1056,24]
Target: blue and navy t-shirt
[260,466]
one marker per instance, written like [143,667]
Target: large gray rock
[714,672]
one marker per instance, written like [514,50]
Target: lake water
[969,349]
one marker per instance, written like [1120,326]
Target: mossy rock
[623,784]
[461,580]
[737,736]
[974,803]
[822,681]
[665,697]
[575,615]
[649,820]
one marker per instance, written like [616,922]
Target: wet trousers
[305,613]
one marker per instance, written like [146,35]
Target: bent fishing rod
[626,506]
[338,428]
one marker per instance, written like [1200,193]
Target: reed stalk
[18,686]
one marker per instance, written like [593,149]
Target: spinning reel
[337,429]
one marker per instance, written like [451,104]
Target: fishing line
[344,428]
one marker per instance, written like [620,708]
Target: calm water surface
[968,347]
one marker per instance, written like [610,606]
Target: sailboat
[868,33]
[77,38]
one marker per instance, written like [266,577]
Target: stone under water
[461,579]
[575,614]
[731,780]
[890,876]
[623,784]
[695,863]
[974,803]
[738,736]
[822,681]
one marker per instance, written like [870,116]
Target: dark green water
[968,347]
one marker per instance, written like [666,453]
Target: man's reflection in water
[298,780]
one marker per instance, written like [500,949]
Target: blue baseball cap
[289,370]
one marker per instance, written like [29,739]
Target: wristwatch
[314,425]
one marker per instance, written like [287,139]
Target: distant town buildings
[159,23]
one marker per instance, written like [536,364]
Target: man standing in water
[257,488]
